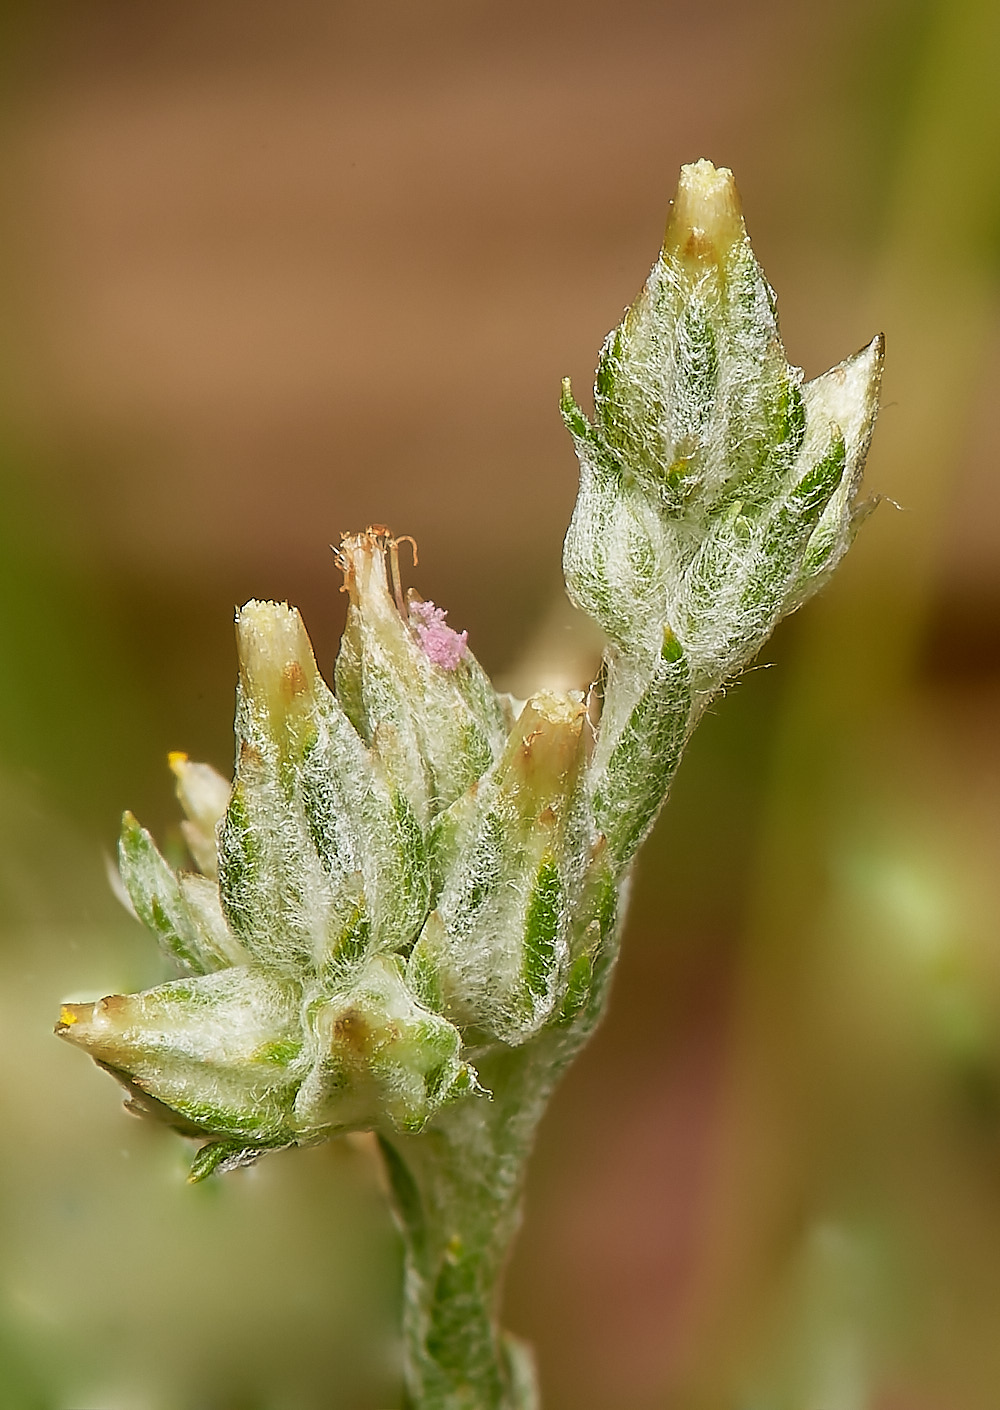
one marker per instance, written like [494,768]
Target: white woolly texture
[399,875]
[220,1050]
[183,912]
[381,1058]
[201,895]
[304,1029]
[617,558]
[497,941]
[716,491]
[848,396]
[312,846]
[437,728]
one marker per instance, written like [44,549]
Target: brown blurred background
[272,272]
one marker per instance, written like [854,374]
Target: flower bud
[706,219]
[204,796]
[247,1059]
[847,397]
[222,1053]
[409,683]
[182,911]
[716,493]
[381,1058]
[494,950]
[715,489]
[320,859]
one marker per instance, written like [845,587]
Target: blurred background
[273,272]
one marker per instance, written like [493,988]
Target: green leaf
[186,932]
[543,924]
[632,785]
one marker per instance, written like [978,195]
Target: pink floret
[442,645]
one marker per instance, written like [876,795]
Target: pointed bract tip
[706,218]
[75,1022]
[276,657]
[204,796]
[548,743]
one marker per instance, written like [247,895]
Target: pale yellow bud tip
[558,708]
[548,743]
[706,218]
[276,659]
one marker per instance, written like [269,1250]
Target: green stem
[457,1192]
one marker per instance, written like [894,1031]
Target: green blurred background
[275,271]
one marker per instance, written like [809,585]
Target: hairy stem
[457,1193]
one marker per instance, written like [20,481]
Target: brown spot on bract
[698,246]
[293,679]
[350,1029]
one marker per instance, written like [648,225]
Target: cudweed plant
[406,909]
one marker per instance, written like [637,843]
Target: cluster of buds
[411,870]
[717,491]
[394,865]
